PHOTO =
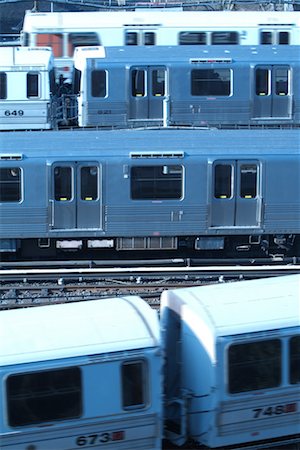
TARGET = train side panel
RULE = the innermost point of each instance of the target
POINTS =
(67, 30)
(234, 377)
(223, 87)
(186, 190)
(89, 387)
(27, 99)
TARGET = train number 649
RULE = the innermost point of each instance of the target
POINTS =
(14, 112)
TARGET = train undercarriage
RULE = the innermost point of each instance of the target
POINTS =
(135, 248)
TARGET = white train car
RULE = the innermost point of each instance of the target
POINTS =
(64, 31)
(233, 368)
(81, 375)
(27, 88)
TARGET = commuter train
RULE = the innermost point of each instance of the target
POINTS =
(64, 31)
(220, 369)
(193, 86)
(131, 193)
(27, 88)
(125, 87)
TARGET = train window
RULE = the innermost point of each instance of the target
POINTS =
(76, 81)
(156, 182)
(98, 83)
(51, 40)
(254, 365)
(82, 39)
(223, 175)
(53, 85)
(10, 184)
(211, 82)
(89, 183)
(224, 37)
(134, 384)
(158, 82)
(266, 37)
(283, 37)
(3, 85)
(248, 187)
(149, 38)
(25, 39)
(44, 396)
(62, 183)
(138, 88)
(295, 360)
(281, 81)
(131, 38)
(32, 85)
(262, 82)
(192, 38)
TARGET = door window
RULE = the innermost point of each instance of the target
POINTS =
(223, 183)
(89, 183)
(138, 83)
(62, 183)
(248, 181)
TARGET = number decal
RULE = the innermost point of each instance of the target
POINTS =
(274, 410)
(101, 438)
(14, 113)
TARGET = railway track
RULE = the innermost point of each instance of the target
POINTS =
(31, 287)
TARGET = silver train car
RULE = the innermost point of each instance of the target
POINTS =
(223, 86)
(127, 193)
(221, 369)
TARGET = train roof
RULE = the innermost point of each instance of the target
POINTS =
(75, 329)
(196, 55)
(239, 307)
(73, 21)
(25, 56)
(146, 142)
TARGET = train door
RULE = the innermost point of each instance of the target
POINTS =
(236, 194)
(139, 37)
(272, 92)
(76, 195)
(147, 92)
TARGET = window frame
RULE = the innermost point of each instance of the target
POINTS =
(144, 385)
(94, 86)
(247, 366)
(194, 82)
(40, 398)
(297, 358)
(19, 181)
(3, 85)
(138, 183)
(184, 38)
(33, 92)
(71, 178)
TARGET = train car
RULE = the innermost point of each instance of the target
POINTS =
(232, 372)
(124, 193)
(195, 86)
(64, 31)
(81, 375)
(27, 88)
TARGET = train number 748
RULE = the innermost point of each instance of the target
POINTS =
(274, 410)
